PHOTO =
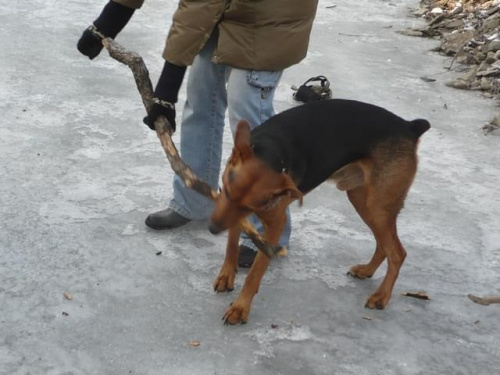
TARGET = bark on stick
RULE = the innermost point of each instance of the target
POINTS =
(164, 131)
(484, 300)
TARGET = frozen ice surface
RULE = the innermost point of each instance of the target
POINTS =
(80, 172)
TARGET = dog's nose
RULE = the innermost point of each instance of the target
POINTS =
(214, 228)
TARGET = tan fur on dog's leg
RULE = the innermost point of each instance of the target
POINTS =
(274, 222)
(362, 271)
(225, 281)
(386, 235)
(394, 166)
(350, 176)
(240, 309)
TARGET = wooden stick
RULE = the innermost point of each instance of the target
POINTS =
(164, 132)
(484, 300)
(163, 129)
(418, 295)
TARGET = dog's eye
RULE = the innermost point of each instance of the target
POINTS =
(265, 202)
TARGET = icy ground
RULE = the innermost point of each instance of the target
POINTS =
(80, 172)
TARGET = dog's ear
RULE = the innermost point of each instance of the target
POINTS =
(290, 189)
(242, 139)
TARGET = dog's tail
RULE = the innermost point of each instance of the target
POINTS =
(419, 127)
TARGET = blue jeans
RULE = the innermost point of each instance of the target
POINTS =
(211, 89)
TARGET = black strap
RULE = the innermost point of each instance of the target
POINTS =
(323, 80)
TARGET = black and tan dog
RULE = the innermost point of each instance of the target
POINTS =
(366, 150)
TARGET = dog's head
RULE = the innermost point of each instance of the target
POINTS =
(249, 185)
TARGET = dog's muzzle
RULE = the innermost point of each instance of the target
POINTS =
(215, 228)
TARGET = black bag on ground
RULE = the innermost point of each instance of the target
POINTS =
(308, 93)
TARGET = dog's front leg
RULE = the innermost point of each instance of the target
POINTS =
(225, 281)
(239, 310)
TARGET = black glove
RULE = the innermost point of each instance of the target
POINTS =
(90, 43)
(111, 21)
(160, 108)
(166, 93)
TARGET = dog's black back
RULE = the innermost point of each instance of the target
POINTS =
(312, 141)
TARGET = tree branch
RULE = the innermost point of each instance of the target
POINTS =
(164, 131)
(484, 300)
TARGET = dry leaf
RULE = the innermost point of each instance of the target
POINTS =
(68, 296)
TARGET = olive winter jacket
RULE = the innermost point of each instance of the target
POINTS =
(252, 34)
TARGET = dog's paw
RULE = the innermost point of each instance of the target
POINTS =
(225, 281)
(360, 271)
(236, 313)
(378, 301)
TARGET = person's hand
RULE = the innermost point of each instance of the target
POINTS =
(160, 108)
(113, 18)
(90, 43)
(166, 92)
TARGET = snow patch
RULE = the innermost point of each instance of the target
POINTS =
(266, 337)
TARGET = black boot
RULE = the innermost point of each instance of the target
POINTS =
(246, 256)
(166, 219)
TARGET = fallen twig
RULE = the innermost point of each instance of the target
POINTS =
(164, 131)
(484, 300)
(419, 295)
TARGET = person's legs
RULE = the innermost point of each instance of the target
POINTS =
(250, 97)
(202, 128)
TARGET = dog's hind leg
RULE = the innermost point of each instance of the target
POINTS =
(353, 178)
(361, 271)
(393, 168)
(387, 177)
(388, 242)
